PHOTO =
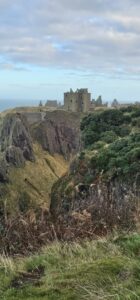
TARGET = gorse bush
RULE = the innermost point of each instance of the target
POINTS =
(104, 121)
(108, 137)
(116, 141)
(115, 121)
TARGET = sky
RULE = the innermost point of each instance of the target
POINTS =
(50, 46)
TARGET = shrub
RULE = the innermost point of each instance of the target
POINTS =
(98, 145)
(112, 121)
(124, 131)
(113, 127)
(136, 113)
(108, 137)
(90, 137)
(119, 144)
(136, 122)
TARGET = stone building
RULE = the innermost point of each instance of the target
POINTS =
(115, 103)
(98, 103)
(78, 101)
(51, 103)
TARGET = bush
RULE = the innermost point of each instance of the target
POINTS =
(114, 122)
(98, 145)
(136, 113)
(90, 137)
(124, 131)
(113, 127)
(135, 137)
(136, 122)
(119, 144)
(108, 137)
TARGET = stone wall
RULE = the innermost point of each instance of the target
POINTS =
(51, 103)
(78, 101)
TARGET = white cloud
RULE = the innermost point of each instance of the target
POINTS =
(99, 35)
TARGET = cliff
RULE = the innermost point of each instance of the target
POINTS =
(15, 140)
(101, 190)
(34, 153)
(59, 132)
(98, 192)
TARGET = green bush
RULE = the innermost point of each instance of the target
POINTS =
(113, 127)
(119, 144)
(115, 122)
(90, 137)
(98, 145)
(136, 113)
(108, 137)
(124, 131)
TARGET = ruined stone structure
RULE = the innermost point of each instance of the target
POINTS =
(98, 103)
(51, 103)
(78, 101)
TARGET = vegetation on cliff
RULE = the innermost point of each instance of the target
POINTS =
(112, 142)
(103, 182)
(99, 192)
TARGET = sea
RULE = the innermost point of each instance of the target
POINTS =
(8, 104)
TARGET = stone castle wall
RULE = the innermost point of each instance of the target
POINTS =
(52, 103)
(78, 101)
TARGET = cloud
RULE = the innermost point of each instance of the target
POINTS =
(12, 67)
(101, 35)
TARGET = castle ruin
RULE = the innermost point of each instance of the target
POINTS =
(78, 101)
(51, 103)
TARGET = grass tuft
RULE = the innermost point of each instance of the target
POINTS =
(101, 269)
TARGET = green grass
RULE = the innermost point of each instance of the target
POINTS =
(103, 269)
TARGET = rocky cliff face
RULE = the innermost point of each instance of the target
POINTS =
(15, 135)
(59, 133)
(33, 156)
(15, 144)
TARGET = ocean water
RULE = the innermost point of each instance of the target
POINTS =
(7, 104)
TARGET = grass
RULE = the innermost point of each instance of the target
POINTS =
(102, 269)
(36, 179)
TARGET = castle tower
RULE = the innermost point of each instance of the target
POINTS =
(78, 101)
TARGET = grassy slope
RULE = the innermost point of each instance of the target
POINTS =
(102, 269)
(35, 178)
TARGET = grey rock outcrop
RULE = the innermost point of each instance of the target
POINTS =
(15, 140)
(59, 133)
(15, 156)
